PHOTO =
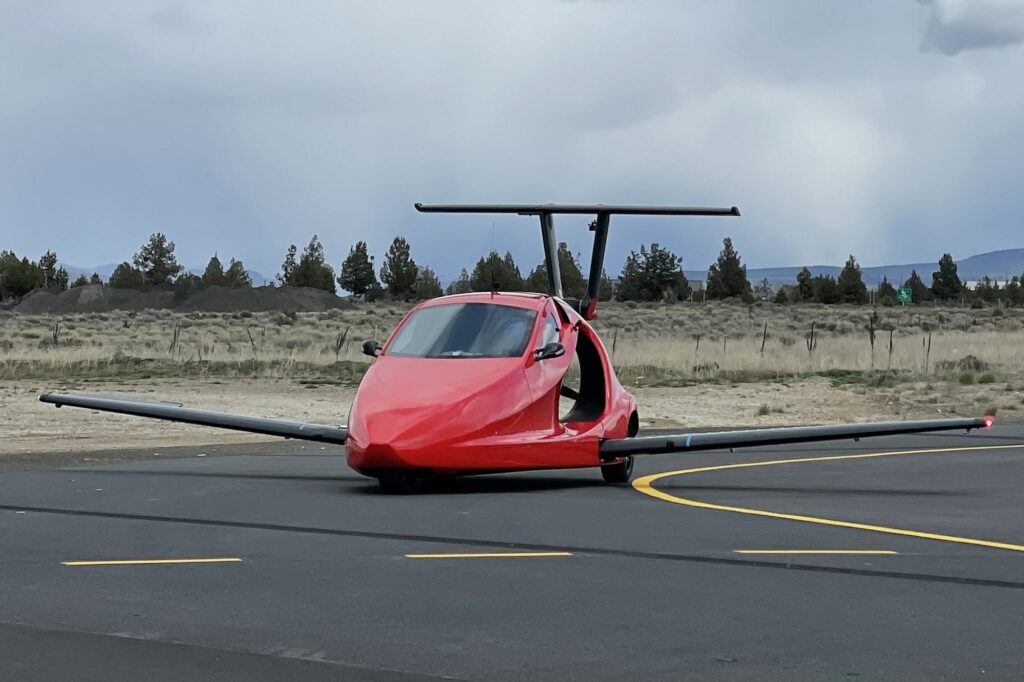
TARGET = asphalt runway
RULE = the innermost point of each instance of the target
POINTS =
(708, 574)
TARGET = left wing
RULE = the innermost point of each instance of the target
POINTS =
(176, 413)
(689, 442)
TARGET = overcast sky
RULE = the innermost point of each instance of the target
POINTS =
(892, 129)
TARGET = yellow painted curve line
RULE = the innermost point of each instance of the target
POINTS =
(644, 485)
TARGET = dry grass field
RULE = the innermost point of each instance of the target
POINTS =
(695, 364)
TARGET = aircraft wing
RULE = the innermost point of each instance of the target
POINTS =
(715, 440)
(175, 412)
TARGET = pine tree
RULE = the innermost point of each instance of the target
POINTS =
(605, 289)
(537, 281)
(61, 279)
(987, 290)
(399, 271)
(460, 286)
(653, 275)
(80, 281)
(496, 272)
(851, 285)
(573, 283)
(312, 269)
(763, 290)
(287, 274)
(805, 285)
(511, 273)
(826, 290)
(214, 276)
(48, 269)
(95, 278)
(156, 260)
(918, 291)
(236, 275)
(427, 284)
(18, 276)
(187, 280)
(1013, 292)
(886, 292)
(127, 277)
(631, 279)
(946, 284)
(727, 277)
(357, 274)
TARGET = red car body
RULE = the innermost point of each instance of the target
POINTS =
(471, 384)
(445, 416)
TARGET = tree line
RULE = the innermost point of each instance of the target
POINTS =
(154, 265)
(946, 287)
(652, 273)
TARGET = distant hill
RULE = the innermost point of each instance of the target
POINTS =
(997, 265)
(107, 269)
(99, 299)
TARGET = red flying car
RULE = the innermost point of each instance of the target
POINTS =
(471, 384)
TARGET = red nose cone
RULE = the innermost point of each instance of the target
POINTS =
(419, 413)
(989, 420)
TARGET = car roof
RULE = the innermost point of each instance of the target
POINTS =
(516, 299)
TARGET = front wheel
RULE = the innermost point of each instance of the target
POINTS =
(396, 483)
(619, 472)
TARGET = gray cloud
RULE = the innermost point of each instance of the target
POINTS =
(243, 129)
(957, 25)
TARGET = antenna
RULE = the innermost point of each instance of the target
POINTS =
(587, 307)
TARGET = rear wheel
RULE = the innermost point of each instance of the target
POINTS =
(620, 472)
(396, 483)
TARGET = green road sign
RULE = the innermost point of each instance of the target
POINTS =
(903, 295)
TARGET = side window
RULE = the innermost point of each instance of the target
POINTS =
(551, 334)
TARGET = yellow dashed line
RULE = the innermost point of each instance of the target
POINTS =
(147, 562)
(814, 551)
(487, 555)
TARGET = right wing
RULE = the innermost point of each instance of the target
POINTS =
(717, 440)
(176, 413)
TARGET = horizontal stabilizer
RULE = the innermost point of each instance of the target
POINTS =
(718, 440)
(587, 209)
(176, 413)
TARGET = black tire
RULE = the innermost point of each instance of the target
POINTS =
(623, 471)
(618, 473)
(396, 483)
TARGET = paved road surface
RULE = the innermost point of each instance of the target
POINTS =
(653, 581)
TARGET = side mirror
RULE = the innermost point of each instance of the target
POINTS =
(551, 350)
(371, 348)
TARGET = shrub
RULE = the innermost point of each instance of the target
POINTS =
(970, 363)
(987, 378)
(966, 378)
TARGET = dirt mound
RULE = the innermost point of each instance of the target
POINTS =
(99, 299)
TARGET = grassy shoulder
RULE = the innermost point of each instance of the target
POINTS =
(928, 361)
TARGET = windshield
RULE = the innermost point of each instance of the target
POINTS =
(465, 330)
